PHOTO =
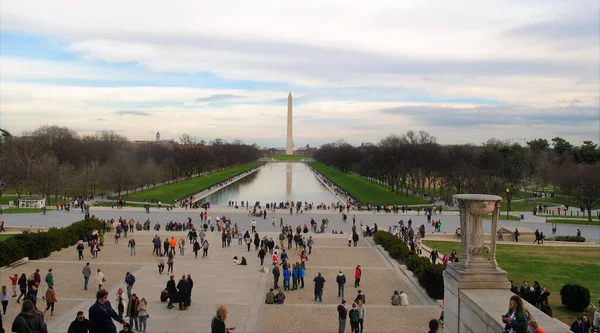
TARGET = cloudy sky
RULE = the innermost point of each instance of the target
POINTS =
(464, 71)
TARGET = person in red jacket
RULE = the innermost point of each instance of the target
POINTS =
(357, 275)
(13, 280)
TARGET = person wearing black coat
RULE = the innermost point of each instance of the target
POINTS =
(172, 291)
(29, 320)
(184, 293)
(22, 287)
(191, 284)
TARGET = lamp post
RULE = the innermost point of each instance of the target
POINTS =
(508, 203)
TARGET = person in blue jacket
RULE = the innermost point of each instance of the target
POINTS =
(302, 275)
(295, 276)
(101, 315)
(286, 279)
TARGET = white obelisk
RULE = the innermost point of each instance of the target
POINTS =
(289, 148)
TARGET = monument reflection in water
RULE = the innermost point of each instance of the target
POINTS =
(275, 182)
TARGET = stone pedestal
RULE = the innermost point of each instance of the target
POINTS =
(478, 268)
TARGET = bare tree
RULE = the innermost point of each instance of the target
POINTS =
(582, 182)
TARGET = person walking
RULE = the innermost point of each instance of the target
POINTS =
(22, 287)
(129, 281)
(170, 262)
(100, 279)
(354, 318)
(50, 301)
(29, 320)
(217, 325)
(362, 312)
(319, 282)
(341, 281)
(196, 248)
(434, 255)
(4, 297)
(205, 249)
(49, 279)
(357, 275)
(80, 248)
(86, 272)
(143, 314)
(310, 243)
(160, 262)
(101, 314)
(302, 275)
(342, 314)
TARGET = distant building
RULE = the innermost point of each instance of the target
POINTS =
(157, 136)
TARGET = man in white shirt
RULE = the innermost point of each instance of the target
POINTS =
(253, 226)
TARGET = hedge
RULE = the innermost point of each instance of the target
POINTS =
(578, 239)
(430, 275)
(38, 245)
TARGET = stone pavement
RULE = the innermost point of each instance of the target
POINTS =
(450, 220)
(218, 281)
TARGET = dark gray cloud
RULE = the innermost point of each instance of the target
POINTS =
(132, 113)
(499, 115)
(218, 98)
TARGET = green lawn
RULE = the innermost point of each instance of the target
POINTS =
(560, 200)
(171, 192)
(23, 210)
(5, 236)
(503, 217)
(595, 221)
(286, 157)
(552, 266)
(364, 190)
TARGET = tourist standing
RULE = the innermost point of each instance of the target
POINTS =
(302, 275)
(99, 279)
(132, 311)
(362, 312)
(341, 281)
(143, 314)
(354, 317)
(183, 294)
(13, 283)
(196, 248)
(101, 314)
(319, 282)
(171, 290)
(434, 255)
(516, 318)
(80, 250)
(310, 243)
(29, 320)
(160, 262)
(276, 275)
(131, 245)
(170, 262)
(342, 314)
(357, 275)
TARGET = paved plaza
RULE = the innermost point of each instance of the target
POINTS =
(450, 219)
(218, 281)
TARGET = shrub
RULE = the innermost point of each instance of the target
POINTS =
(37, 245)
(430, 276)
(432, 279)
(575, 297)
(578, 239)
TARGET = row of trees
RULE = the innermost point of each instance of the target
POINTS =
(417, 164)
(56, 161)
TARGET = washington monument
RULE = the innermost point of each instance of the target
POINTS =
(289, 148)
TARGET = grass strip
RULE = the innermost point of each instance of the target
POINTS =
(186, 188)
(552, 266)
(364, 190)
